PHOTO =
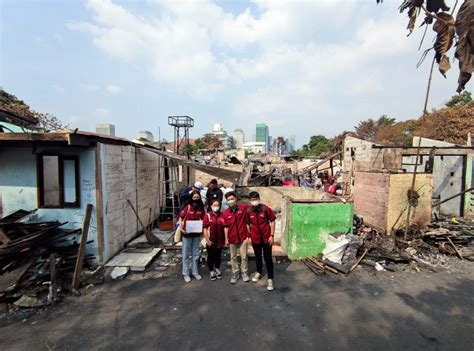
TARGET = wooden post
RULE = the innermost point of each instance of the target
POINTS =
(454, 247)
(52, 272)
(412, 189)
(82, 248)
(99, 208)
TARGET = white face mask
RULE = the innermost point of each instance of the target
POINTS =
(215, 209)
(255, 203)
(231, 203)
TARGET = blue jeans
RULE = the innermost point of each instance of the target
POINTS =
(191, 247)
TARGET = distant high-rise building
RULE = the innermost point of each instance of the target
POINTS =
(291, 143)
(239, 138)
(262, 134)
(269, 143)
(218, 128)
(280, 146)
(105, 129)
(219, 132)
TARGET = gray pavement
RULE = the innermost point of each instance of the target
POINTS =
(364, 311)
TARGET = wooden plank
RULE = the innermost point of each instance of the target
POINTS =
(358, 261)
(455, 248)
(34, 137)
(136, 261)
(99, 210)
(82, 248)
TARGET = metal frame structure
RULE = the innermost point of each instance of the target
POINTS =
(181, 126)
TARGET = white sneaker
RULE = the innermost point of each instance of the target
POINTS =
(270, 285)
(256, 277)
(187, 278)
(245, 277)
(218, 274)
(234, 278)
(213, 275)
(198, 277)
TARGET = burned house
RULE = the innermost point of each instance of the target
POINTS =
(378, 177)
(60, 173)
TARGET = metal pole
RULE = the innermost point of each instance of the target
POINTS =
(425, 111)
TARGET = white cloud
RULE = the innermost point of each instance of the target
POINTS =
(102, 112)
(90, 87)
(285, 60)
(113, 89)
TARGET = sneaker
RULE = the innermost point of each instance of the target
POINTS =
(197, 277)
(234, 278)
(256, 277)
(270, 285)
(218, 274)
(213, 275)
(245, 277)
(187, 278)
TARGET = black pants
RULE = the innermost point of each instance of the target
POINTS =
(267, 256)
(213, 257)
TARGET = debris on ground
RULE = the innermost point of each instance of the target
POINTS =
(37, 261)
(432, 249)
(119, 272)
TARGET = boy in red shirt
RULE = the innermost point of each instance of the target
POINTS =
(261, 222)
(236, 234)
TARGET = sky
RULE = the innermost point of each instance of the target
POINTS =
(302, 67)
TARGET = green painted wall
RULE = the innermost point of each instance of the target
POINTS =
(310, 222)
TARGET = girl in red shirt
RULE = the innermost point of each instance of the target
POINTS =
(215, 238)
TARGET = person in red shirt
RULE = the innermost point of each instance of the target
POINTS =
(261, 222)
(332, 187)
(215, 238)
(193, 211)
(236, 235)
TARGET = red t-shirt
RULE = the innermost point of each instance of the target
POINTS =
(216, 225)
(190, 214)
(332, 189)
(235, 219)
(260, 223)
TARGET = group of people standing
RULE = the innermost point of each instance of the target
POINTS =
(324, 182)
(236, 227)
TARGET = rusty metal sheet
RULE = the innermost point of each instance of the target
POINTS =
(227, 174)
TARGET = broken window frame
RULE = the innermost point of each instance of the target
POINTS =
(40, 181)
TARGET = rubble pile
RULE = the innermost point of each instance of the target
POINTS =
(37, 261)
(425, 249)
(452, 237)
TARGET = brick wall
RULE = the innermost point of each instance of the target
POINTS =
(360, 156)
(371, 192)
(128, 173)
(381, 198)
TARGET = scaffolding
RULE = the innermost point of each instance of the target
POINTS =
(181, 126)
